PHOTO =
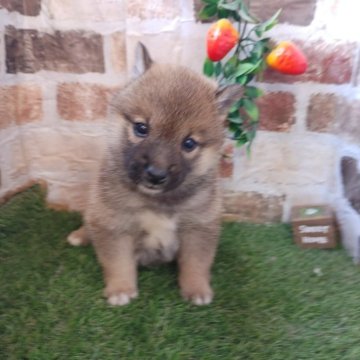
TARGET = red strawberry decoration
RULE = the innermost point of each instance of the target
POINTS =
(221, 38)
(287, 58)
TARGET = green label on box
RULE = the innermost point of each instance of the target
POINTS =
(312, 211)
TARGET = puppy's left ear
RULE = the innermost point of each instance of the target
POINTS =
(226, 96)
(143, 60)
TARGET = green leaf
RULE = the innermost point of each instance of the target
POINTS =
(261, 70)
(253, 92)
(243, 69)
(223, 13)
(250, 71)
(241, 139)
(238, 133)
(233, 127)
(259, 30)
(242, 80)
(235, 118)
(230, 81)
(266, 42)
(229, 6)
(248, 149)
(260, 67)
(230, 66)
(245, 15)
(235, 16)
(270, 23)
(210, 1)
(235, 107)
(267, 25)
(251, 109)
(263, 66)
(208, 11)
(218, 68)
(208, 68)
(260, 48)
(258, 51)
(253, 59)
(251, 134)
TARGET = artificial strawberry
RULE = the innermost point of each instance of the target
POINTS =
(287, 58)
(221, 38)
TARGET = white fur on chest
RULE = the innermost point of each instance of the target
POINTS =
(160, 231)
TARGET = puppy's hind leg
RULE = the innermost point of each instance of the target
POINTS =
(78, 237)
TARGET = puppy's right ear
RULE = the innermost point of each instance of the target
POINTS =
(143, 60)
(226, 96)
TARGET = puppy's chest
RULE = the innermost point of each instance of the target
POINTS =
(159, 242)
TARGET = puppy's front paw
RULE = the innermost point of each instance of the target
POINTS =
(120, 297)
(78, 238)
(198, 295)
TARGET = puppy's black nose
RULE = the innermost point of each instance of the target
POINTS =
(156, 176)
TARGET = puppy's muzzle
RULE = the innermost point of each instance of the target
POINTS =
(155, 176)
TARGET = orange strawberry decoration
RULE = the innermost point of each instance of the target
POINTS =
(221, 38)
(287, 58)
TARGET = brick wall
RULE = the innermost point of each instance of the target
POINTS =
(60, 61)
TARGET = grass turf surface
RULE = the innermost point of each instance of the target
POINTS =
(269, 304)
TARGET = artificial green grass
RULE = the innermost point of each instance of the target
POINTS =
(273, 300)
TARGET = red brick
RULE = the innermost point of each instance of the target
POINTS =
(14, 163)
(329, 63)
(252, 207)
(118, 52)
(226, 168)
(83, 101)
(30, 51)
(24, 7)
(277, 111)
(167, 9)
(226, 161)
(322, 112)
(330, 113)
(297, 12)
(86, 10)
(347, 120)
(20, 104)
(350, 177)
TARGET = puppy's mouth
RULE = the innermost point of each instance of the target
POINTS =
(150, 189)
(150, 180)
(153, 180)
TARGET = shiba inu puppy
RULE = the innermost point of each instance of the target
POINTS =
(156, 196)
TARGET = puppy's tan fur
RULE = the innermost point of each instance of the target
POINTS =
(132, 222)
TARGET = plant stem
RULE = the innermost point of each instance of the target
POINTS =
(237, 51)
(244, 29)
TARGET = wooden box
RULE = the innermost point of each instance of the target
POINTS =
(314, 226)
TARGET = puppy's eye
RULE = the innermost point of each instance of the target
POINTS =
(189, 144)
(141, 129)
